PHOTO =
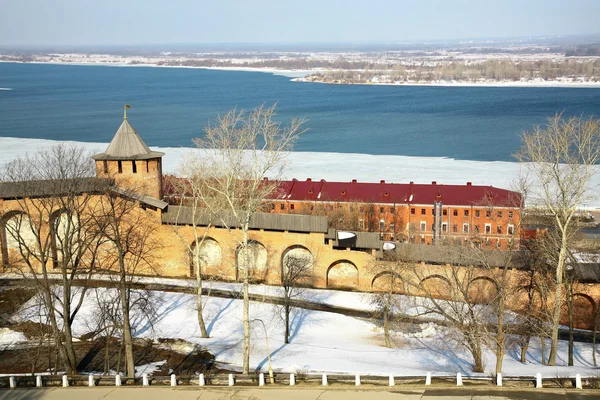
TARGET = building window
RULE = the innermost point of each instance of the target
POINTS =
(498, 243)
(392, 210)
(134, 167)
(488, 214)
(477, 213)
(466, 212)
(444, 227)
(445, 212)
(412, 211)
(455, 213)
(511, 229)
(423, 211)
(291, 206)
(510, 214)
(147, 166)
(455, 228)
(381, 225)
(476, 228)
(488, 229)
(105, 166)
(433, 211)
(361, 209)
(499, 229)
(120, 166)
(330, 208)
(272, 206)
(499, 214)
(422, 239)
(423, 226)
(381, 210)
(282, 206)
(392, 227)
(361, 224)
(465, 228)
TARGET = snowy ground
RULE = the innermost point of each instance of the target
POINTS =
(321, 341)
(333, 166)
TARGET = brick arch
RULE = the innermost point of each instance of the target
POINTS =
(584, 310)
(210, 255)
(342, 274)
(257, 263)
(482, 289)
(429, 286)
(301, 258)
(382, 281)
(5, 237)
(55, 232)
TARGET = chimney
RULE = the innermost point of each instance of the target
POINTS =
(382, 181)
(308, 180)
(468, 183)
(353, 180)
(433, 182)
(265, 179)
(322, 180)
(411, 182)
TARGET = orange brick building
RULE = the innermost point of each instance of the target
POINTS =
(482, 216)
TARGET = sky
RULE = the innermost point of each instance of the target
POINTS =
(137, 22)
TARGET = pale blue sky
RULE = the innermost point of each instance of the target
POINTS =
(110, 22)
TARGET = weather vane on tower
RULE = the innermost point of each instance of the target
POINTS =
(125, 110)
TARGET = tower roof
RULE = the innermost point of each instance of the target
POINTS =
(127, 145)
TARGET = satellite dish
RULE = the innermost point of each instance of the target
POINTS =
(341, 235)
(389, 246)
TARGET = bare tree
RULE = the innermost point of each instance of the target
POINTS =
(389, 278)
(240, 149)
(562, 158)
(296, 273)
(131, 248)
(193, 192)
(49, 235)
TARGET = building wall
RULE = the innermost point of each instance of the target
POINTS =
(414, 222)
(332, 267)
(147, 177)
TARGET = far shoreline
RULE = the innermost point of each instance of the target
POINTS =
(299, 76)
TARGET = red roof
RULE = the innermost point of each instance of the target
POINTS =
(397, 193)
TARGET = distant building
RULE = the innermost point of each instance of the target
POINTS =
(482, 216)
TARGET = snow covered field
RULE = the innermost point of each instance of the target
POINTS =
(334, 166)
(320, 341)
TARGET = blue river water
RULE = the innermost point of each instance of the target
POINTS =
(170, 106)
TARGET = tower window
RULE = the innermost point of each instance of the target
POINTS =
(134, 167)
(147, 166)
(120, 167)
(105, 165)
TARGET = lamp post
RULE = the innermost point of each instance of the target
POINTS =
(271, 378)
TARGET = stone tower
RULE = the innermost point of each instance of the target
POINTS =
(131, 163)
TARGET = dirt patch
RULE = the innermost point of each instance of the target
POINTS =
(11, 299)
(102, 355)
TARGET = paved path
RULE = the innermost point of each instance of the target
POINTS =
(193, 393)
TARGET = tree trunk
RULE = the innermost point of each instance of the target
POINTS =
(70, 366)
(524, 348)
(543, 343)
(287, 318)
(203, 331)
(557, 300)
(570, 311)
(246, 361)
(500, 334)
(386, 327)
(127, 338)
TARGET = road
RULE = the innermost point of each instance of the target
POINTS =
(189, 393)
